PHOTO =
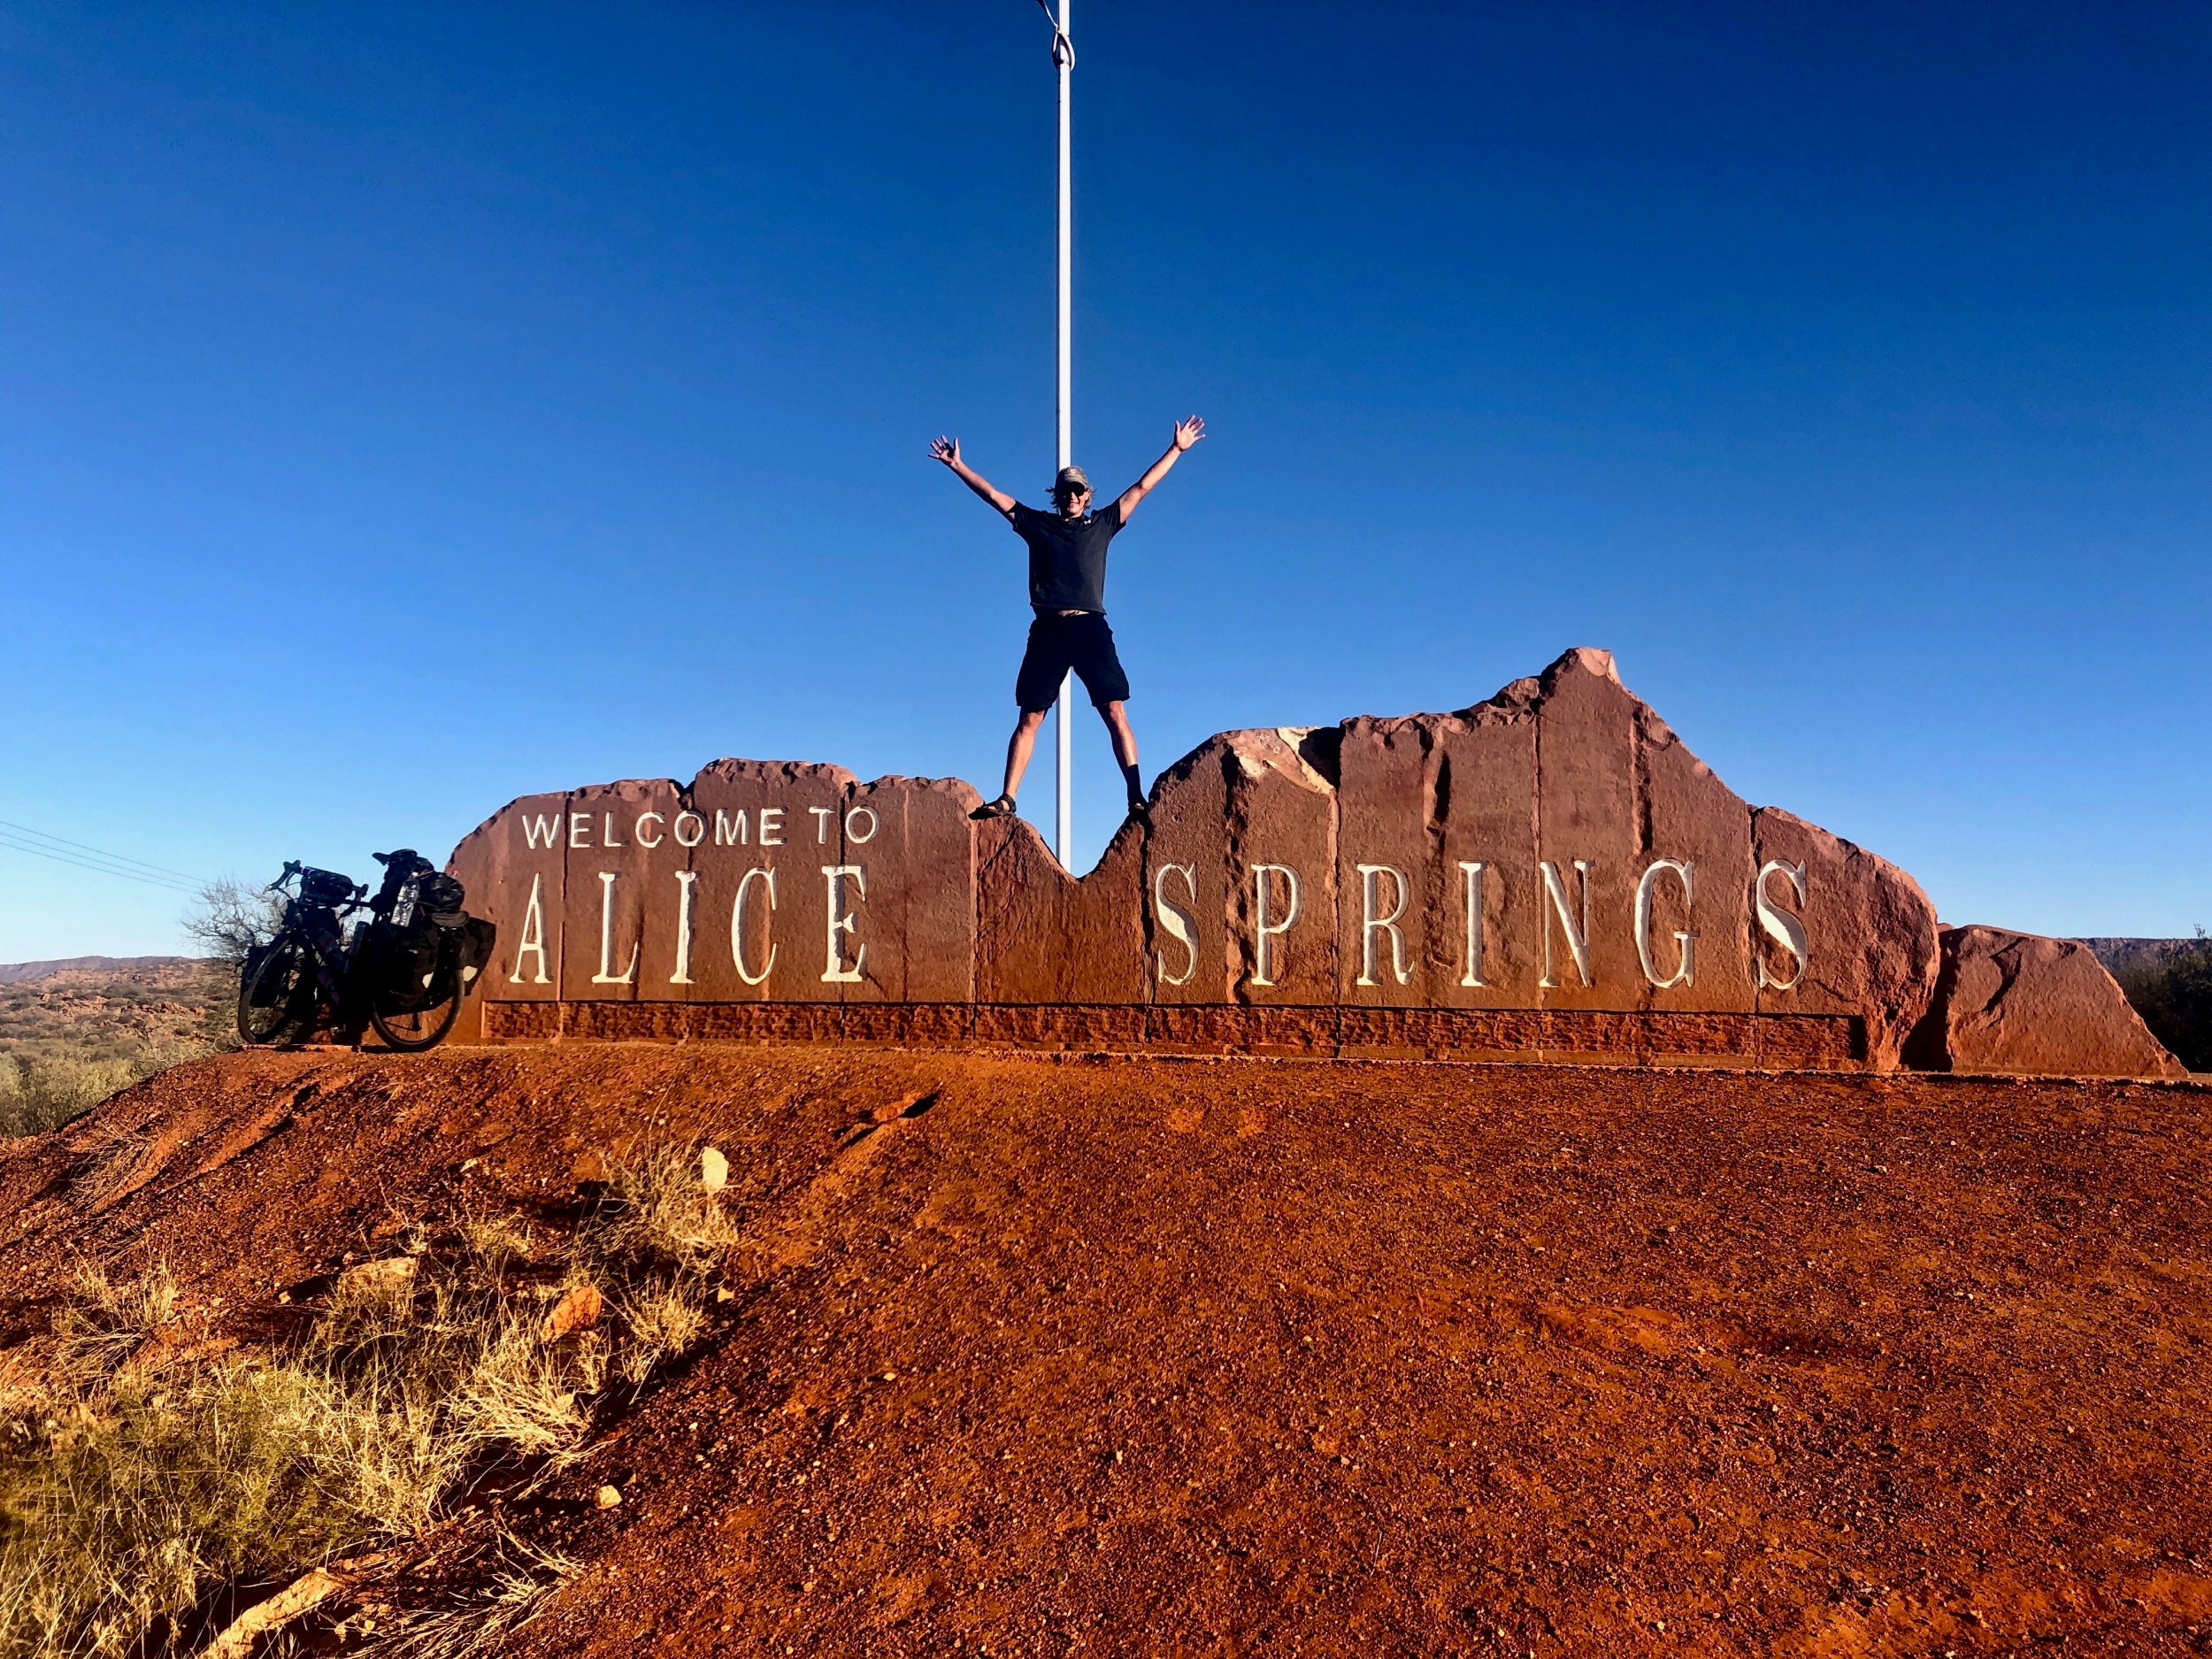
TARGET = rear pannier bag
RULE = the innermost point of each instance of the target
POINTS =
(406, 958)
(477, 938)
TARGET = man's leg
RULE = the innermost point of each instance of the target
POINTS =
(1020, 747)
(1098, 664)
(1035, 687)
(1116, 715)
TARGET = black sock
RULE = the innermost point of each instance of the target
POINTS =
(1134, 779)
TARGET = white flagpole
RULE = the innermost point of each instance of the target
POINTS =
(1063, 56)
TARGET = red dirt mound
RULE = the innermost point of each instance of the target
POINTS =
(1042, 1356)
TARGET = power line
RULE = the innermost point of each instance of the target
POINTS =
(169, 880)
(60, 841)
(163, 882)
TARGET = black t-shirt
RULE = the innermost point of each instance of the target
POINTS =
(1067, 556)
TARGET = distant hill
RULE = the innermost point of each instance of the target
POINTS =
(72, 1032)
(21, 972)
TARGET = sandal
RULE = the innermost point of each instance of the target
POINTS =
(1004, 807)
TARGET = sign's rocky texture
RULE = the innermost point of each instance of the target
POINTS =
(1548, 874)
(2021, 1004)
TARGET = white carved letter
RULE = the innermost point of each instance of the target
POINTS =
(1473, 874)
(606, 937)
(841, 921)
(852, 826)
(637, 830)
(607, 839)
(758, 872)
(541, 831)
(1780, 925)
(729, 831)
(1578, 933)
(1177, 921)
(1687, 973)
(699, 830)
(1370, 924)
(1263, 929)
(579, 831)
(533, 937)
(822, 817)
(772, 826)
(684, 878)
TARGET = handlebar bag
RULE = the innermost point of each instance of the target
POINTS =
(325, 887)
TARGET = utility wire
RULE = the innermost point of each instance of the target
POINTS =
(58, 840)
(152, 875)
(165, 885)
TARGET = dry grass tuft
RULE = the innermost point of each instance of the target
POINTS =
(124, 1505)
(127, 1496)
(103, 1171)
(372, 1303)
(515, 1579)
(492, 1245)
(102, 1323)
(523, 1395)
(658, 1216)
(662, 1319)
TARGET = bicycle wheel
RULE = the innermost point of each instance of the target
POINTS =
(412, 1019)
(276, 1000)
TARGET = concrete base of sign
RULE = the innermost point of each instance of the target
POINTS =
(1768, 1041)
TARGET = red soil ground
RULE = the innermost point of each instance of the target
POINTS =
(1235, 1357)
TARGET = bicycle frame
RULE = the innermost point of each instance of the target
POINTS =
(321, 927)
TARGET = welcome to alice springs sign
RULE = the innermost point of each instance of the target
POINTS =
(1550, 874)
(1542, 877)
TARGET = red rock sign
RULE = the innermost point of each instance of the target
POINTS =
(1547, 874)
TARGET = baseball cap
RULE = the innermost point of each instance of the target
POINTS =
(1073, 481)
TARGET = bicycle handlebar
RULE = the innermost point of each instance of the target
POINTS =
(293, 867)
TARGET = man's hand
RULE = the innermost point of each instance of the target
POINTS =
(1187, 433)
(948, 450)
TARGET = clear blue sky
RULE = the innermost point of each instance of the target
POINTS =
(403, 408)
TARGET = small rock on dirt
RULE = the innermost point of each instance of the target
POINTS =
(714, 1169)
(577, 1310)
(608, 1498)
(391, 1270)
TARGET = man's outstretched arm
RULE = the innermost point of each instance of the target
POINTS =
(1186, 432)
(948, 450)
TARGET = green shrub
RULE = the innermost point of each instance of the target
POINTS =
(39, 1091)
(2171, 988)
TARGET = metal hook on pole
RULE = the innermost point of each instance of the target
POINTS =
(1062, 47)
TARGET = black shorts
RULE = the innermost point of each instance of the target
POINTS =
(1083, 643)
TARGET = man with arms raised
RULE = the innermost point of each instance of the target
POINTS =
(1067, 590)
